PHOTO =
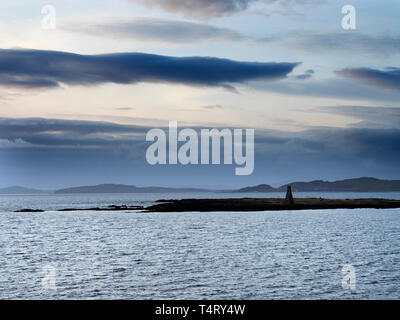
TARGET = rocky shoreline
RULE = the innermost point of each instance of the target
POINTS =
(245, 204)
(109, 208)
(269, 204)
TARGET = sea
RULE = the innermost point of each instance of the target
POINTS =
(310, 254)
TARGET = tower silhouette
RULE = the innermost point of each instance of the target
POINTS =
(289, 196)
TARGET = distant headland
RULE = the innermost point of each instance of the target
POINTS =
(347, 185)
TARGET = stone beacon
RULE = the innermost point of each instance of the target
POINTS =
(289, 196)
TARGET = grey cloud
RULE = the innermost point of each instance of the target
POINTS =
(213, 107)
(63, 135)
(283, 12)
(344, 42)
(206, 9)
(388, 78)
(38, 68)
(380, 145)
(36, 150)
(124, 108)
(57, 133)
(370, 117)
(199, 8)
(27, 127)
(152, 29)
(340, 147)
(331, 87)
(306, 75)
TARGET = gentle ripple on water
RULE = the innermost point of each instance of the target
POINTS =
(225, 255)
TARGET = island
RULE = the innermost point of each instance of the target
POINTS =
(268, 204)
(247, 204)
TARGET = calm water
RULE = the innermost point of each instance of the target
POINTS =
(246, 255)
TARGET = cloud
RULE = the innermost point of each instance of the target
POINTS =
(38, 69)
(206, 9)
(344, 42)
(106, 136)
(28, 127)
(213, 107)
(388, 79)
(152, 29)
(331, 151)
(76, 152)
(330, 87)
(124, 108)
(379, 145)
(306, 75)
(199, 8)
(370, 117)
(15, 143)
(286, 12)
(68, 136)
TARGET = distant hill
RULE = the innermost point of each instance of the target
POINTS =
(348, 185)
(121, 188)
(19, 190)
(259, 188)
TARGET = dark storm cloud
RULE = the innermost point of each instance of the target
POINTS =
(206, 9)
(362, 143)
(29, 126)
(56, 133)
(388, 78)
(152, 29)
(354, 142)
(69, 152)
(347, 147)
(38, 68)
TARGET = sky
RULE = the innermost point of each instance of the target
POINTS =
(82, 82)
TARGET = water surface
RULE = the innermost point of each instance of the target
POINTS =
(223, 255)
